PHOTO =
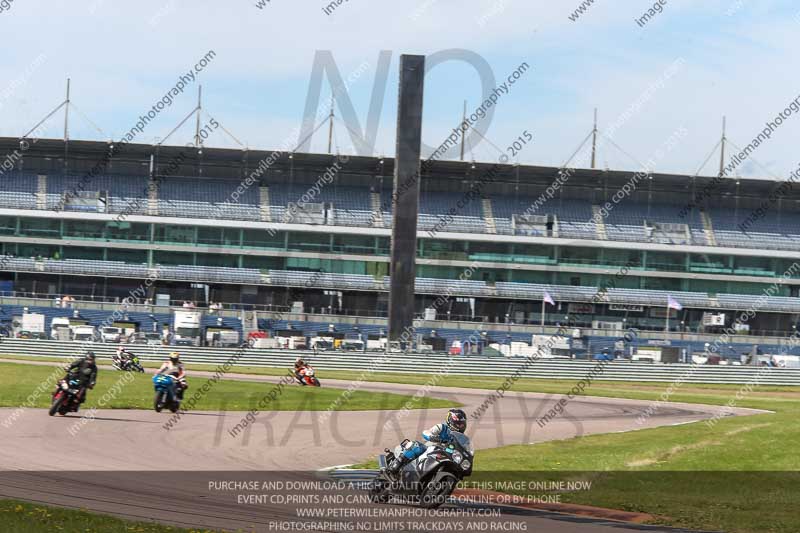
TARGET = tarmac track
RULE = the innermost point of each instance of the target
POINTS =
(127, 464)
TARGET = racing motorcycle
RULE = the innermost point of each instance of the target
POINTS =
(307, 377)
(66, 397)
(167, 392)
(129, 365)
(429, 479)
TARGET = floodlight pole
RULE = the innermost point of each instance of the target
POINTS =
(594, 137)
(463, 129)
(722, 149)
(543, 312)
(197, 140)
(330, 125)
(66, 115)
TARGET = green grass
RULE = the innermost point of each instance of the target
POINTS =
(642, 390)
(19, 380)
(21, 517)
(742, 475)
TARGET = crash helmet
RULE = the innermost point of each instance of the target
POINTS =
(90, 356)
(175, 358)
(299, 362)
(457, 420)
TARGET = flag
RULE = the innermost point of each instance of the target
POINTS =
(548, 298)
(672, 303)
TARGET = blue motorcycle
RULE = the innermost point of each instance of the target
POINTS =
(166, 393)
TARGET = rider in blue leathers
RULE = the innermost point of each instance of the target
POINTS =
(440, 433)
(173, 367)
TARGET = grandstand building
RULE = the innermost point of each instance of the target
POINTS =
(269, 229)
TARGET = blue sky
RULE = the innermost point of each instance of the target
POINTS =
(738, 60)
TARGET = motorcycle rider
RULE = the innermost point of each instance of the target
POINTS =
(85, 371)
(299, 367)
(173, 367)
(124, 358)
(440, 433)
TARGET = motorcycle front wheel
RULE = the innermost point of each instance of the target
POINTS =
(379, 490)
(56, 405)
(437, 490)
(158, 402)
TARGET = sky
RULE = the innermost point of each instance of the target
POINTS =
(683, 69)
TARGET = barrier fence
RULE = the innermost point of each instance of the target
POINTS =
(471, 365)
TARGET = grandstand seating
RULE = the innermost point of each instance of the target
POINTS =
(125, 193)
(18, 190)
(351, 206)
(435, 286)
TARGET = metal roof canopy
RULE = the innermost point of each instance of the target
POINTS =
(47, 155)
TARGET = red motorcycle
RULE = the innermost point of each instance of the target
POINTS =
(307, 376)
(66, 397)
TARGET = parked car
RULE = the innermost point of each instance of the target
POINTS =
(146, 337)
(110, 334)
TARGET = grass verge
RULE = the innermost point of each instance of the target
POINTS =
(22, 517)
(19, 380)
(740, 474)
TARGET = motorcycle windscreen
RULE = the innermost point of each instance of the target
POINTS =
(464, 442)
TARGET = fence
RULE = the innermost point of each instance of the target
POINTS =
(421, 363)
